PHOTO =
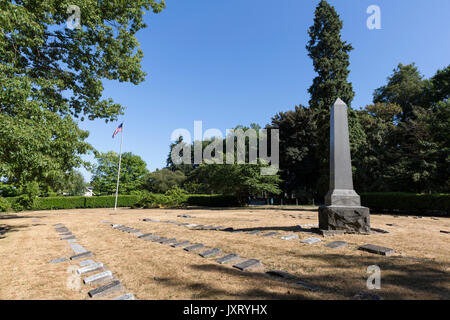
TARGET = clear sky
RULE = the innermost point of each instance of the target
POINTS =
(230, 62)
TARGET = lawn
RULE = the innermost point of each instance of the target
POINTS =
(419, 269)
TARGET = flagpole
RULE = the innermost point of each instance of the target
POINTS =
(118, 173)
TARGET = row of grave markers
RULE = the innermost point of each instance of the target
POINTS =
(88, 266)
(302, 228)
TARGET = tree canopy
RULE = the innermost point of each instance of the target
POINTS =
(132, 172)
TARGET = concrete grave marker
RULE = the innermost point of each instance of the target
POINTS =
(160, 239)
(82, 255)
(99, 277)
(85, 263)
(228, 258)
(90, 268)
(180, 244)
(289, 237)
(210, 253)
(152, 238)
(194, 247)
(280, 274)
(311, 240)
(145, 235)
(68, 237)
(254, 232)
(106, 289)
(58, 260)
(377, 249)
(336, 244)
(169, 241)
(77, 248)
(248, 264)
(270, 234)
(127, 296)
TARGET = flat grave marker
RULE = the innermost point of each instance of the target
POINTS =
(106, 289)
(81, 255)
(169, 241)
(63, 259)
(126, 296)
(160, 239)
(228, 258)
(248, 264)
(194, 247)
(68, 237)
(99, 277)
(85, 263)
(210, 253)
(289, 237)
(152, 238)
(280, 274)
(254, 232)
(180, 244)
(336, 244)
(377, 249)
(270, 234)
(90, 268)
(311, 240)
(145, 235)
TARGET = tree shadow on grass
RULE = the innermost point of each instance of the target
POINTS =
(7, 216)
(5, 229)
(421, 276)
(207, 291)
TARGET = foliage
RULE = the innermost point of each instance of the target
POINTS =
(5, 205)
(330, 55)
(410, 202)
(51, 75)
(405, 88)
(50, 203)
(239, 180)
(39, 145)
(50, 65)
(132, 172)
(298, 147)
(160, 181)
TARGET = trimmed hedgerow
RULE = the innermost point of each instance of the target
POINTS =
(411, 202)
(50, 203)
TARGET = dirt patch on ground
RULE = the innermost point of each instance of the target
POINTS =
(418, 270)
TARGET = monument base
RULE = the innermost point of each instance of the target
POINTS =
(349, 219)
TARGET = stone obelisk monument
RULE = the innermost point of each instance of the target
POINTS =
(342, 212)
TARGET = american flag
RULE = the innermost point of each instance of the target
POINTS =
(119, 129)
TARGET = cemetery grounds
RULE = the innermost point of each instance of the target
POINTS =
(419, 268)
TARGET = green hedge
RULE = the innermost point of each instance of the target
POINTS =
(50, 203)
(411, 202)
(212, 201)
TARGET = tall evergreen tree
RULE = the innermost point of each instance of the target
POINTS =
(330, 55)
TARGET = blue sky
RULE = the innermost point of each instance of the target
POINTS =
(242, 61)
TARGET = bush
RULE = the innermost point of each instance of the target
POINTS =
(50, 203)
(411, 202)
(213, 201)
(5, 205)
(149, 200)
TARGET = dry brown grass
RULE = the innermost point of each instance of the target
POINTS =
(418, 270)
